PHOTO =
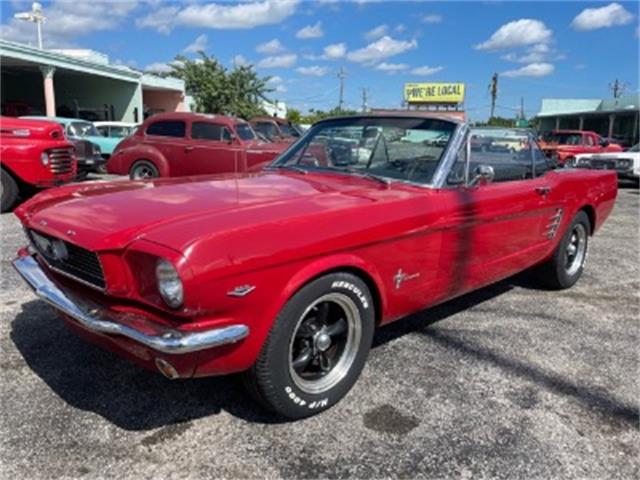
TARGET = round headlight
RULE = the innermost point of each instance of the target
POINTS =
(44, 158)
(169, 284)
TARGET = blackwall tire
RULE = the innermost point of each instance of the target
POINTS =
(10, 192)
(316, 349)
(143, 169)
(565, 266)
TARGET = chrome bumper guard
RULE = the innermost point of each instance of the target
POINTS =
(165, 340)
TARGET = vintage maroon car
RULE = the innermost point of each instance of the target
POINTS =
(284, 274)
(183, 144)
(33, 155)
(276, 129)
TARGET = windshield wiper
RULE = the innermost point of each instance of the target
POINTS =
(294, 168)
(363, 173)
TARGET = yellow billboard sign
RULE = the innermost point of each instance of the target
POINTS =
(434, 92)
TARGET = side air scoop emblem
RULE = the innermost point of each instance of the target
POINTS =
(241, 291)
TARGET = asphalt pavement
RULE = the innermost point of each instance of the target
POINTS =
(507, 382)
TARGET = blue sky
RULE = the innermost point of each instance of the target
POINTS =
(540, 49)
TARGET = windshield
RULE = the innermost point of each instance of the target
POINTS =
(120, 131)
(82, 129)
(566, 138)
(406, 149)
(245, 132)
(289, 130)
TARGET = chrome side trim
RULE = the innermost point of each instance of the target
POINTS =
(164, 339)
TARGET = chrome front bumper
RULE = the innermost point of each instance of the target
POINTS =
(97, 319)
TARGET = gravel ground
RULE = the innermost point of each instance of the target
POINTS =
(506, 382)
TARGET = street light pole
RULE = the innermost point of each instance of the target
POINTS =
(35, 16)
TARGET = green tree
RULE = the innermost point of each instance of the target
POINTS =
(217, 90)
(294, 115)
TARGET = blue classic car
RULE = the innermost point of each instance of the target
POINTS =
(78, 129)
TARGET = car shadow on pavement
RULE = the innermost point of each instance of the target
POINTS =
(89, 378)
(595, 399)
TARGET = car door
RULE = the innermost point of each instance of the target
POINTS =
(169, 138)
(212, 149)
(496, 228)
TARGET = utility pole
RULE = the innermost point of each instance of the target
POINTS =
(521, 108)
(341, 76)
(617, 87)
(493, 90)
(365, 106)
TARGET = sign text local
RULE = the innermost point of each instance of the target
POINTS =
(434, 92)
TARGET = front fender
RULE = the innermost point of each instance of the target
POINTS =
(121, 161)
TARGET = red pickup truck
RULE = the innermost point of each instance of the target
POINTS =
(184, 144)
(33, 155)
(563, 145)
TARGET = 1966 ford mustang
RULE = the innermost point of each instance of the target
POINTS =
(284, 274)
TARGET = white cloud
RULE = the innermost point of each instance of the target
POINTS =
(518, 33)
(278, 61)
(311, 31)
(158, 67)
(219, 16)
(392, 67)
(239, 61)
(68, 20)
(401, 28)
(538, 53)
(381, 49)
(531, 70)
(197, 45)
(426, 70)
(313, 71)
(275, 80)
(335, 50)
(593, 18)
(432, 18)
(377, 32)
(272, 46)
(276, 83)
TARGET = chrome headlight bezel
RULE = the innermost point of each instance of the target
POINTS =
(169, 283)
(44, 158)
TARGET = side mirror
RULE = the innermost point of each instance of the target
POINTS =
(482, 175)
(604, 143)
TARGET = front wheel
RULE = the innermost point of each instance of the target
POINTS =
(143, 169)
(317, 347)
(565, 267)
(10, 191)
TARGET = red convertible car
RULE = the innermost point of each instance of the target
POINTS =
(183, 144)
(285, 274)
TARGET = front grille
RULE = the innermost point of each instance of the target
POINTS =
(69, 259)
(61, 160)
(84, 149)
(603, 164)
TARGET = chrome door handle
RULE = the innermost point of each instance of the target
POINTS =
(544, 191)
(188, 149)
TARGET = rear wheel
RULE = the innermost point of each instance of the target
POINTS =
(143, 169)
(565, 267)
(10, 191)
(316, 349)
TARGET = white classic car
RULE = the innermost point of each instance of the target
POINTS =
(627, 164)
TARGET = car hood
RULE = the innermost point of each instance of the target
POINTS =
(173, 212)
